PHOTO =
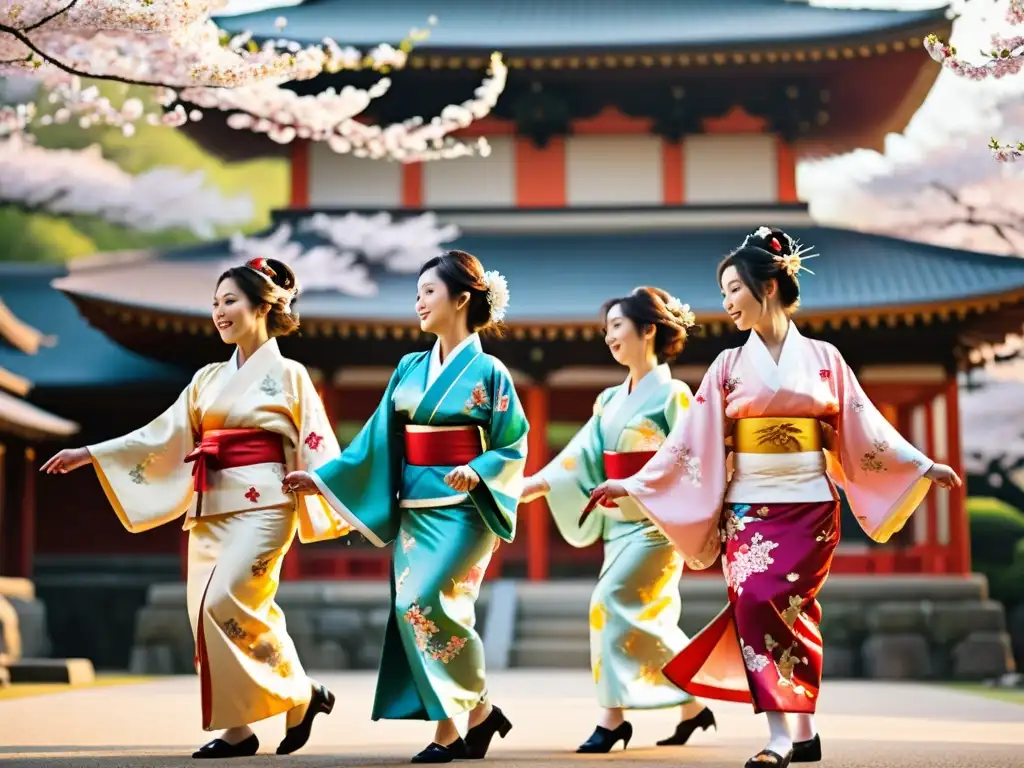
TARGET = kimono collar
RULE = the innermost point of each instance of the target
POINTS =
(659, 374)
(771, 373)
(269, 347)
(436, 366)
(623, 403)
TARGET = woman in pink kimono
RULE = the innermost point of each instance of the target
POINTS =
(798, 422)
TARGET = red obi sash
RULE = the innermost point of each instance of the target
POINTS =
(619, 466)
(432, 447)
(227, 448)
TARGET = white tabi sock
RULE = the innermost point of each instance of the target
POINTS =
(779, 740)
(802, 727)
(236, 735)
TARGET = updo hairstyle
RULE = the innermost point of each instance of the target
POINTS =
(646, 306)
(270, 283)
(767, 254)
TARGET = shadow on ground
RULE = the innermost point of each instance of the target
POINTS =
(843, 754)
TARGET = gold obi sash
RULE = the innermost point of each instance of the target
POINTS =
(778, 459)
(777, 435)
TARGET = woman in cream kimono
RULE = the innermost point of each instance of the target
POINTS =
(635, 608)
(438, 470)
(218, 456)
(798, 421)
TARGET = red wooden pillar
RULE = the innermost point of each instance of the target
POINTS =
(17, 521)
(28, 515)
(959, 529)
(933, 551)
(536, 512)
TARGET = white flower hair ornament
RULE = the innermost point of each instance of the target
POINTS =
(686, 317)
(497, 294)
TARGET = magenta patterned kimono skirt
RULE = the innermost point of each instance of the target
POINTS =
(765, 647)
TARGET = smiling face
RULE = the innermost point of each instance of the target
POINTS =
(627, 345)
(435, 307)
(743, 307)
(233, 313)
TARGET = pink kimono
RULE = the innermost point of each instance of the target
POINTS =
(776, 519)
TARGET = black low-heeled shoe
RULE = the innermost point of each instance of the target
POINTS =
(478, 738)
(295, 738)
(439, 753)
(807, 751)
(704, 720)
(768, 759)
(219, 749)
(603, 739)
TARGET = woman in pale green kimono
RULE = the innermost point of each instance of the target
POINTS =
(217, 457)
(438, 469)
(635, 608)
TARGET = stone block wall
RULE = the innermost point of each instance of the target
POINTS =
(335, 625)
(896, 628)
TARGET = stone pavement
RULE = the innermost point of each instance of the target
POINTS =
(862, 724)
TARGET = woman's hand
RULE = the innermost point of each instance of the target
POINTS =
(535, 487)
(607, 492)
(66, 461)
(944, 476)
(462, 479)
(299, 482)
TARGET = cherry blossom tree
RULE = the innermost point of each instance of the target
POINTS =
(176, 47)
(344, 253)
(80, 182)
(1005, 57)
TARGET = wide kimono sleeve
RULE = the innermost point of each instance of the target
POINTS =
(572, 475)
(144, 473)
(362, 483)
(682, 487)
(316, 445)
(501, 466)
(881, 472)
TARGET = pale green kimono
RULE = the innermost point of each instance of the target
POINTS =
(635, 608)
(432, 663)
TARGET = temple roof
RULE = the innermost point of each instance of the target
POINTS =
(522, 26)
(76, 355)
(561, 278)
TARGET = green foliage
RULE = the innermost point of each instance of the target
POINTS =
(997, 547)
(263, 181)
(996, 528)
(37, 237)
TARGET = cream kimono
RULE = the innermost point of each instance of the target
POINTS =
(240, 528)
(635, 608)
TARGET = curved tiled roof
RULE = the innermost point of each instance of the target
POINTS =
(80, 356)
(530, 25)
(563, 278)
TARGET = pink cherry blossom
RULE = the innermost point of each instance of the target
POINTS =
(1005, 57)
(175, 47)
(68, 182)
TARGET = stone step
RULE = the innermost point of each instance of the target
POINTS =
(72, 671)
(576, 628)
(548, 653)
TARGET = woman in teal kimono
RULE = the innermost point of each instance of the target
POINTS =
(438, 469)
(635, 608)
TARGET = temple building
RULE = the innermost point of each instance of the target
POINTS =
(634, 145)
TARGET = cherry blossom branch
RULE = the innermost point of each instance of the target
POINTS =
(173, 46)
(81, 182)
(1006, 57)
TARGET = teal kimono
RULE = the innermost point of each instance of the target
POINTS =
(635, 608)
(432, 663)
